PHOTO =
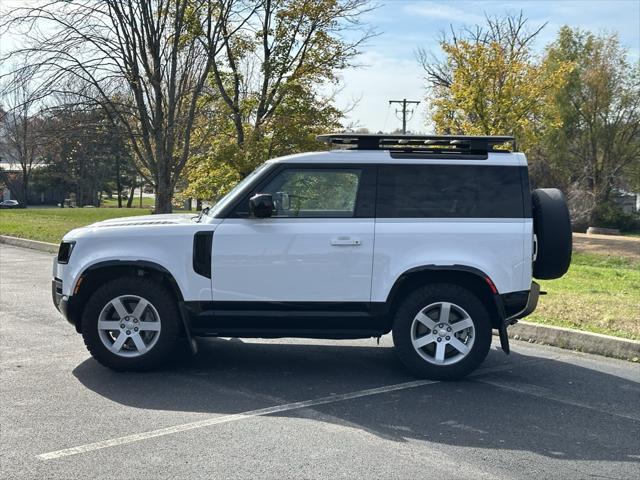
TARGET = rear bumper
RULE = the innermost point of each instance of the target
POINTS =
(532, 301)
(516, 305)
(513, 306)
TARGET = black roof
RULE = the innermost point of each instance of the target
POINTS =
(421, 143)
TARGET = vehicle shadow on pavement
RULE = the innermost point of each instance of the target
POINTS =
(520, 402)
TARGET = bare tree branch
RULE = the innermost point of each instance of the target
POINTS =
(145, 62)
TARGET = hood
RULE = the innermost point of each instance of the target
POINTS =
(165, 219)
(128, 225)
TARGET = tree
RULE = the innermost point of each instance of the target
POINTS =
(597, 145)
(296, 122)
(20, 140)
(264, 98)
(84, 154)
(490, 83)
(144, 62)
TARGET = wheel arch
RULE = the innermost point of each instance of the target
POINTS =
(99, 273)
(470, 278)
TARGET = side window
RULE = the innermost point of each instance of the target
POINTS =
(449, 191)
(314, 192)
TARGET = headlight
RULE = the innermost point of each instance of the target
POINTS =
(65, 251)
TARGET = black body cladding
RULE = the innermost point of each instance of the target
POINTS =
(202, 244)
(64, 252)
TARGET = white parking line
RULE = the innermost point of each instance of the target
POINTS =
(90, 447)
(540, 392)
(230, 418)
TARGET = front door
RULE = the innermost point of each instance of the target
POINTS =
(316, 247)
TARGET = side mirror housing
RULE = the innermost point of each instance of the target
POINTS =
(261, 205)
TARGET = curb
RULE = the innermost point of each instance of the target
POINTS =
(32, 244)
(578, 340)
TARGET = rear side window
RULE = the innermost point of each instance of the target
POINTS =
(449, 191)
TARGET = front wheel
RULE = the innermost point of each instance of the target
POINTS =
(131, 324)
(442, 332)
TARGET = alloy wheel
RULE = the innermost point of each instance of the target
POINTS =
(442, 333)
(129, 326)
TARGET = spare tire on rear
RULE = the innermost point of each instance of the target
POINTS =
(552, 226)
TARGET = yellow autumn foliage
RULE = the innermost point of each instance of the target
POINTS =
(496, 90)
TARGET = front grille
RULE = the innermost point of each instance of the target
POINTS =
(65, 251)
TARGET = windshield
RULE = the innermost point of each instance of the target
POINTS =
(229, 197)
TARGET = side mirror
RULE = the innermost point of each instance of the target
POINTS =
(261, 205)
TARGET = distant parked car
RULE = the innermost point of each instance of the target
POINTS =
(9, 204)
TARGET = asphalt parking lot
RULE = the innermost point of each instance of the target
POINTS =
(298, 409)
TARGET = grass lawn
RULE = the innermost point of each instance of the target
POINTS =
(599, 293)
(147, 202)
(50, 224)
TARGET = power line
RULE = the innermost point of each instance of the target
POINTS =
(404, 110)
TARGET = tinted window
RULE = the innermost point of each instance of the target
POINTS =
(314, 193)
(449, 191)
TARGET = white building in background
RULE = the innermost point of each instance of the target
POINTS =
(629, 202)
(8, 165)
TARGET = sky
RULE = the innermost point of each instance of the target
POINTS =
(389, 70)
(387, 67)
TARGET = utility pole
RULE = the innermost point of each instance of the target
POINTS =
(404, 111)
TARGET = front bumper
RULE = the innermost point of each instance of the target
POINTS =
(62, 303)
(56, 292)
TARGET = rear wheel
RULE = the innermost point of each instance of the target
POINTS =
(131, 324)
(442, 331)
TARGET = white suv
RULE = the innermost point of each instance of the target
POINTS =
(435, 238)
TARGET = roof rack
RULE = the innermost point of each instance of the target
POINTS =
(438, 144)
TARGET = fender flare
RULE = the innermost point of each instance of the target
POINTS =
(144, 264)
(496, 299)
(75, 309)
(454, 267)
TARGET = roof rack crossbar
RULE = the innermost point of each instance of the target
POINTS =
(421, 143)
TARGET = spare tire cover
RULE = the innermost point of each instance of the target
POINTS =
(552, 226)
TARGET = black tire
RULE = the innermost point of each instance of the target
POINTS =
(415, 303)
(552, 226)
(159, 297)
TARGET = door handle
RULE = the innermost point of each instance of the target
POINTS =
(345, 242)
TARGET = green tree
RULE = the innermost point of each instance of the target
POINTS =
(294, 126)
(596, 147)
(265, 98)
(84, 154)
